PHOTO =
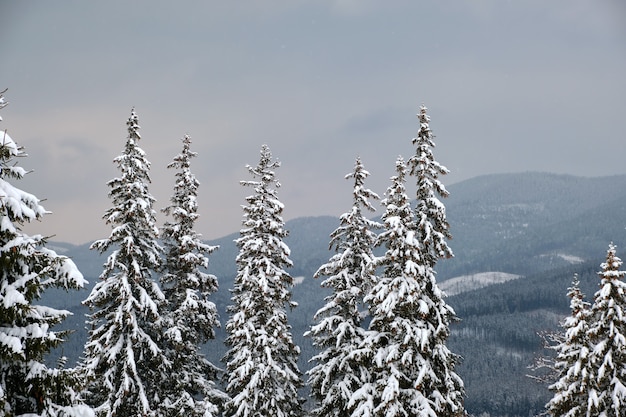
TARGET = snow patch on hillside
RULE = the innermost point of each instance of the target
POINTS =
(298, 280)
(571, 258)
(458, 285)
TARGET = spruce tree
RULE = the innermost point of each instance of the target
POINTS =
(571, 389)
(190, 317)
(412, 368)
(262, 375)
(27, 385)
(432, 224)
(607, 334)
(123, 360)
(338, 373)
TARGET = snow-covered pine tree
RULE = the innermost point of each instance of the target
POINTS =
(337, 373)
(607, 333)
(262, 374)
(124, 362)
(27, 385)
(432, 225)
(571, 389)
(190, 317)
(412, 369)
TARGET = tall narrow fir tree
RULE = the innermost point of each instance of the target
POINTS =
(607, 335)
(190, 318)
(263, 378)
(124, 361)
(430, 213)
(443, 387)
(571, 389)
(27, 385)
(338, 372)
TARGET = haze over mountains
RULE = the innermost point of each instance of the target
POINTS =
(517, 239)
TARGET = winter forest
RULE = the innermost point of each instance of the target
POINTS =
(380, 338)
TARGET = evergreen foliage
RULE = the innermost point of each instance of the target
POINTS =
(190, 318)
(572, 384)
(28, 268)
(607, 334)
(338, 372)
(262, 374)
(124, 361)
(413, 370)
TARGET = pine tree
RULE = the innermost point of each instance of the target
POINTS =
(27, 385)
(338, 372)
(412, 369)
(263, 377)
(607, 333)
(432, 225)
(571, 388)
(191, 317)
(123, 358)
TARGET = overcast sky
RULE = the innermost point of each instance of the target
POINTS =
(510, 86)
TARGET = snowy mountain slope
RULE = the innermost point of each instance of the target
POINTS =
(522, 223)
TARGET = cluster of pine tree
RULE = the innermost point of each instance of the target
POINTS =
(589, 371)
(398, 364)
(381, 334)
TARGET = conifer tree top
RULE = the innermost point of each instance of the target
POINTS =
(423, 161)
(577, 302)
(264, 170)
(433, 227)
(133, 125)
(361, 195)
(611, 267)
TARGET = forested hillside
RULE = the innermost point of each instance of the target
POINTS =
(498, 336)
(544, 227)
(530, 222)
